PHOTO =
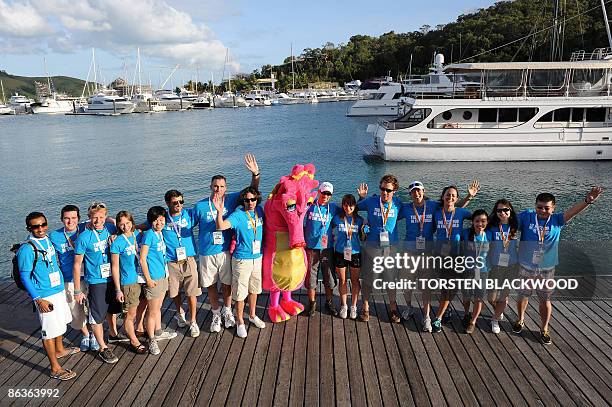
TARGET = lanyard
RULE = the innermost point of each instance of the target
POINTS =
(70, 242)
(160, 237)
(542, 231)
(253, 223)
(136, 250)
(104, 256)
(505, 237)
(45, 251)
(448, 226)
(349, 229)
(421, 220)
(176, 227)
(323, 218)
(385, 215)
(481, 243)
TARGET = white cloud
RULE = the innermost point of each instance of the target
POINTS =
(162, 31)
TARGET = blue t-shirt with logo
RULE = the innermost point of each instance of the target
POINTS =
(497, 245)
(243, 225)
(93, 245)
(454, 231)
(182, 225)
(372, 206)
(156, 257)
(47, 278)
(530, 240)
(478, 246)
(341, 233)
(205, 215)
(127, 249)
(413, 229)
(317, 223)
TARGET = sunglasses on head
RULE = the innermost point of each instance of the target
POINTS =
(500, 210)
(386, 190)
(249, 200)
(177, 202)
(38, 226)
(97, 205)
(326, 193)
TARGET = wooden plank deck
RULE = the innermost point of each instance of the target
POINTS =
(324, 361)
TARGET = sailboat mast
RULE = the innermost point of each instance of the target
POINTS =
(292, 71)
(606, 22)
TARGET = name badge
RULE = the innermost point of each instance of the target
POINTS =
(181, 253)
(217, 237)
(82, 269)
(105, 270)
(420, 243)
(348, 252)
(446, 249)
(384, 238)
(55, 279)
(140, 278)
(324, 241)
(166, 270)
(256, 246)
(504, 259)
(538, 257)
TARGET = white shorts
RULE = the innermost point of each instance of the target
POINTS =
(53, 324)
(215, 267)
(246, 278)
(77, 310)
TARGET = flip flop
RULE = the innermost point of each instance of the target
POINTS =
(71, 351)
(63, 376)
(140, 349)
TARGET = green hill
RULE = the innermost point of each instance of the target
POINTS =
(25, 85)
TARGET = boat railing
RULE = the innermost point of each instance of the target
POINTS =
(597, 54)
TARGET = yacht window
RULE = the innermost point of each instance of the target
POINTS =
(562, 115)
(435, 80)
(467, 115)
(426, 80)
(596, 114)
(527, 113)
(546, 118)
(507, 114)
(577, 114)
(447, 115)
(378, 96)
(487, 115)
(397, 96)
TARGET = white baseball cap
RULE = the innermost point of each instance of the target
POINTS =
(326, 187)
(416, 185)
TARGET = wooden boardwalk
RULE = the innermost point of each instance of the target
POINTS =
(325, 361)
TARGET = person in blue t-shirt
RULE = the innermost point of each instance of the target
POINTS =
(181, 252)
(349, 229)
(448, 220)
(420, 228)
(247, 222)
(41, 275)
(127, 275)
(64, 240)
(383, 211)
(214, 245)
(476, 245)
(153, 264)
(91, 249)
(503, 256)
(539, 249)
(319, 248)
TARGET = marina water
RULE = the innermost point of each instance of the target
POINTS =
(129, 162)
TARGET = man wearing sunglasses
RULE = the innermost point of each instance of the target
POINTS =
(539, 249)
(319, 248)
(42, 277)
(214, 245)
(181, 252)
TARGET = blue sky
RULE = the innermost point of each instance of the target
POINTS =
(192, 33)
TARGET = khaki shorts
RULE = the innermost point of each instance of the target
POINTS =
(246, 278)
(215, 267)
(530, 276)
(77, 310)
(132, 293)
(183, 274)
(158, 291)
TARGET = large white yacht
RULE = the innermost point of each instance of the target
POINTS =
(171, 100)
(258, 97)
(522, 111)
(230, 99)
(108, 102)
(50, 102)
(146, 103)
(19, 103)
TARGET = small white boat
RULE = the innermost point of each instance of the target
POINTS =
(204, 101)
(5, 110)
(145, 103)
(258, 97)
(171, 100)
(229, 99)
(20, 104)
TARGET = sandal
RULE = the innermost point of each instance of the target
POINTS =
(71, 351)
(364, 316)
(140, 334)
(395, 317)
(64, 375)
(140, 349)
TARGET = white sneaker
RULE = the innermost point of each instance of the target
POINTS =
(343, 311)
(194, 330)
(165, 335)
(241, 331)
(427, 324)
(153, 347)
(257, 322)
(230, 321)
(495, 326)
(353, 312)
(180, 320)
(501, 317)
(215, 324)
(407, 313)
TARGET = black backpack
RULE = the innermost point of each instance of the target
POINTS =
(16, 275)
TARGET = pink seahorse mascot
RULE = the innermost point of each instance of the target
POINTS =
(284, 257)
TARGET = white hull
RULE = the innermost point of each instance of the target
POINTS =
(145, 107)
(175, 104)
(230, 102)
(52, 106)
(119, 108)
(374, 108)
(6, 110)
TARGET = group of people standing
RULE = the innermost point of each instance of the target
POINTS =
(88, 272)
